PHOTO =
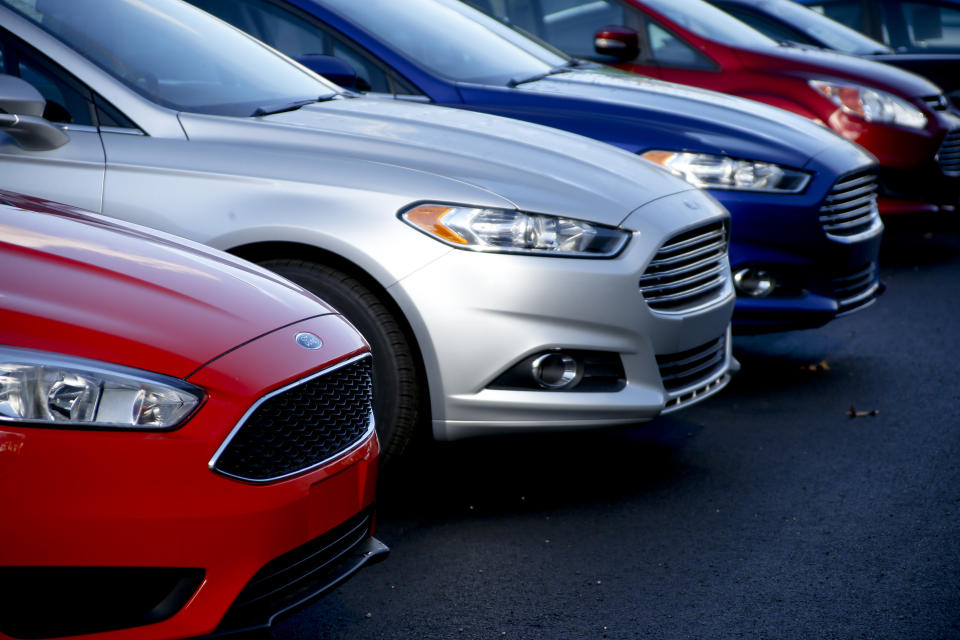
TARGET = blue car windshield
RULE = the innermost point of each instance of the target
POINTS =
(176, 55)
(451, 39)
(711, 23)
(831, 33)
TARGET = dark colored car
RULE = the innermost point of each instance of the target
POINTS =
(805, 230)
(186, 440)
(787, 21)
(903, 119)
(915, 26)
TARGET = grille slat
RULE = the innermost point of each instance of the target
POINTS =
(857, 289)
(850, 209)
(694, 373)
(302, 425)
(689, 270)
(303, 574)
(949, 155)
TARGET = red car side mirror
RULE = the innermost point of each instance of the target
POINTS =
(622, 43)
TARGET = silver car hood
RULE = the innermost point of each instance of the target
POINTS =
(534, 168)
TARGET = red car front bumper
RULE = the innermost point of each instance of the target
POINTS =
(134, 535)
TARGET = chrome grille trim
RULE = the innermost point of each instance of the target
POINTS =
(692, 375)
(849, 212)
(857, 290)
(949, 155)
(689, 271)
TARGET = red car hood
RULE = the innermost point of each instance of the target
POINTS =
(830, 65)
(82, 284)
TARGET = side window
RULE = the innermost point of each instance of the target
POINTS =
(847, 12)
(298, 36)
(668, 50)
(68, 101)
(571, 24)
(931, 26)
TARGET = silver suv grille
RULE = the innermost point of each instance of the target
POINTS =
(690, 270)
(850, 209)
(949, 154)
(695, 373)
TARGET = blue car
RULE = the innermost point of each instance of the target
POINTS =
(806, 232)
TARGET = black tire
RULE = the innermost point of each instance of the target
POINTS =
(396, 385)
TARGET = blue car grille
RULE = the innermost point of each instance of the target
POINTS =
(937, 102)
(850, 209)
(857, 289)
(302, 425)
(949, 154)
(689, 270)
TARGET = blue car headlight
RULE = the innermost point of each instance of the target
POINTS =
(711, 171)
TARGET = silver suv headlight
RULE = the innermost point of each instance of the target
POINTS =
(49, 389)
(508, 231)
(873, 105)
(710, 171)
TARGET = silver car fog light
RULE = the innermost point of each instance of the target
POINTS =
(556, 371)
(755, 283)
(508, 231)
(572, 370)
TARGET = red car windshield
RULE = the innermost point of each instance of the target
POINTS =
(707, 21)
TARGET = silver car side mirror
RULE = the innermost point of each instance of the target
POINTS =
(21, 116)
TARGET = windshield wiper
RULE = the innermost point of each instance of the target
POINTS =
(563, 68)
(269, 110)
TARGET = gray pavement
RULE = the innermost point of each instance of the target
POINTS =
(766, 512)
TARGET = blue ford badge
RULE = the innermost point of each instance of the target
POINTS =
(309, 341)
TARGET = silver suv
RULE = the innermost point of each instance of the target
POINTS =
(507, 276)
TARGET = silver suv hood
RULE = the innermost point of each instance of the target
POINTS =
(535, 168)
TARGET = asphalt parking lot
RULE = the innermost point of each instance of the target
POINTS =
(767, 512)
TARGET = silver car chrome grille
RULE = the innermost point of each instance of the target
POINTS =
(850, 208)
(302, 425)
(689, 270)
(949, 154)
(858, 289)
(937, 102)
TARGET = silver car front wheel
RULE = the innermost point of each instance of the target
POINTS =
(396, 386)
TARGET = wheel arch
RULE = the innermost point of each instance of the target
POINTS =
(258, 252)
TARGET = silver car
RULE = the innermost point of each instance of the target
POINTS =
(508, 276)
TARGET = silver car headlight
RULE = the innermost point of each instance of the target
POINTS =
(873, 105)
(710, 171)
(48, 389)
(507, 231)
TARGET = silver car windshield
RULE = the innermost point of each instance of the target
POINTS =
(176, 55)
(707, 21)
(451, 39)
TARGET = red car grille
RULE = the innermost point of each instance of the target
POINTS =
(301, 426)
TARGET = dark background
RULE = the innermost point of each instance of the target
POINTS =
(764, 512)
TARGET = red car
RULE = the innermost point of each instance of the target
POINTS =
(186, 440)
(900, 117)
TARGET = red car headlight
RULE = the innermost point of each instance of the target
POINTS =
(49, 389)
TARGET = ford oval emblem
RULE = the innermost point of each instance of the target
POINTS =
(309, 341)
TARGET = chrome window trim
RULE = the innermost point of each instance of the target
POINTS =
(256, 405)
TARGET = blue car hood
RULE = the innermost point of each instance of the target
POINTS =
(638, 113)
